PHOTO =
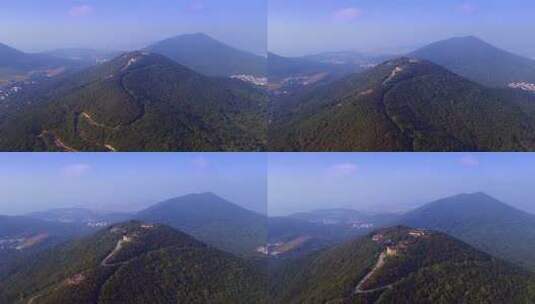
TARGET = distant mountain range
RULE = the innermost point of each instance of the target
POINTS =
(479, 61)
(208, 56)
(15, 64)
(288, 76)
(213, 220)
(89, 56)
(483, 222)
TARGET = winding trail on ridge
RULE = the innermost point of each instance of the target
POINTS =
(380, 263)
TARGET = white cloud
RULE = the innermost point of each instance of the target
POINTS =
(75, 170)
(342, 170)
(196, 6)
(469, 160)
(347, 14)
(467, 8)
(81, 10)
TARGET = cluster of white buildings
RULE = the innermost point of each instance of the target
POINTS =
(259, 81)
(11, 243)
(526, 86)
(270, 249)
(5, 93)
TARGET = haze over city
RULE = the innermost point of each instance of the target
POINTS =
(302, 27)
(124, 25)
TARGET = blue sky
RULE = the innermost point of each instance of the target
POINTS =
(395, 181)
(279, 183)
(36, 25)
(298, 27)
(127, 181)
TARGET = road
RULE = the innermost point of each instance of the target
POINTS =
(379, 264)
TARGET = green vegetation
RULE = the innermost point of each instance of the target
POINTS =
(431, 269)
(139, 102)
(405, 105)
(155, 264)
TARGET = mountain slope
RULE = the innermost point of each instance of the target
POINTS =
(16, 64)
(138, 102)
(484, 223)
(21, 236)
(405, 105)
(134, 263)
(212, 220)
(403, 265)
(208, 56)
(289, 75)
(479, 61)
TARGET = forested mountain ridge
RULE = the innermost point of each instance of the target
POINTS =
(134, 263)
(405, 105)
(402, 265)
(139, 102)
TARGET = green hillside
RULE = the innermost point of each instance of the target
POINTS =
(138, 102)
(405, 105)
(134, 263)
(426, 268)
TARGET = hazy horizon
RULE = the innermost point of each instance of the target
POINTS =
(129, 25)
(394, 182)
(274, 183)
(127, 182)
(304, 27)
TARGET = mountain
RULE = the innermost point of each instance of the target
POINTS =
(208, 56)
(479, 61)
(402, 265)
(15, 64)
(89, 56)
(483, 222)
(405, 105)
(138, 102)
(212, 220)
(134, 263)
(21, 236)
(345, 216)
(360, 59)
(289, 74)
(82, 216)
(290, 237)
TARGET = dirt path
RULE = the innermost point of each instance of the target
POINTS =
(118, 248)
(32, 299)
(111, 148)
(380, 263)
(57, 141)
